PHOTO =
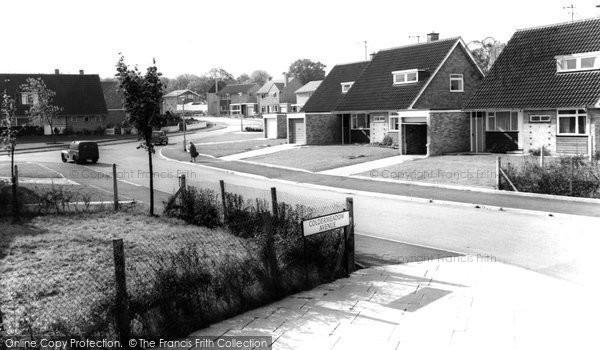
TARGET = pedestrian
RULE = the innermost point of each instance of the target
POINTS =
(193, 152)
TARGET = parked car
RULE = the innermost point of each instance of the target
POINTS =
(80, 152)
(160, 138)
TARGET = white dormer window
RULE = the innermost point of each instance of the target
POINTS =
(346, 86)
(405, 76)
(578, 62)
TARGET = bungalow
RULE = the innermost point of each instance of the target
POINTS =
(175, 100)
(412, 96)
(238, 99)
(543, 91)
(79, 96)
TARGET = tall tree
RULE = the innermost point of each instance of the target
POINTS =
(307, 70)
(220, 74)
(243, 79)
(486, 52)
(8, 141)
(41, 103)
(142, 97)
(260, 77)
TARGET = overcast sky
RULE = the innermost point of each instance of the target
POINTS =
(242, 36)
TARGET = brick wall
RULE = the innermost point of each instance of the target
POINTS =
(212, 101)
(438, 94)
(448, 132)
(281, 126)
(322, 129)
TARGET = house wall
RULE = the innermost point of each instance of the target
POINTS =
(212, 101)
(301, 98)
(438, 94)
(595, 128)
(79, 123)
(270, 100)
(448, 132)
(537, 134)
(322, 129)
(169, 105)
(115, 117)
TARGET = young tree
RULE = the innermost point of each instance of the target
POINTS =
(307, 70)
(142, 97)
(486, 52)
(42, 109)
(8, 141)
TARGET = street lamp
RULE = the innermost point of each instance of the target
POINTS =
(241, 115)
(184, 126)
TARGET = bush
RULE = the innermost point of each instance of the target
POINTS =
(198, 207)
(387, 141)
(253, 129)
(536, 151)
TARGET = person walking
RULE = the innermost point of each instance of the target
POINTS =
(193, 152)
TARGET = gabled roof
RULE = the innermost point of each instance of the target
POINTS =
(268, 85)
(329, 93)
(222, 84)
(310, 86)
(374, 90)
(76, 94)
(176, 93)
(237, 88)
(112, 95)
(525, 75)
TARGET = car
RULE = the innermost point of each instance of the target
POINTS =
(160, 138)
(80, 152)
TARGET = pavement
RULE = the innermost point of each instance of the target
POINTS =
(366, 166)
(460, 302)
(260, 152)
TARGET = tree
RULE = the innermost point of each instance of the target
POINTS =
(260, 77)
(42, 110)
(486, 52)
(8, 141)
(243, 79)
(142, 97)
(307, 70)
(220, 74)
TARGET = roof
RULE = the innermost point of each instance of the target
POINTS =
(236, 89)
(310, 86)
(268, 85)
(75, 93)
(176, 93)
(112, 95)
(374, 90)
(329, 93)
(524, 75)
(221, 83)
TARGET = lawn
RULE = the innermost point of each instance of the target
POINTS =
(28, 170)
(320, 158)
(232, 136)
(229, 148)
(463, 170)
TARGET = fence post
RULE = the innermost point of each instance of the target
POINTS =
(498, 174)
(571, 178)
(223, 201)
(15, 193)
(274, 202)
(115, 190)
(542, 156)
(122, 302)
(350, 237)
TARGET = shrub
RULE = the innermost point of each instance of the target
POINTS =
(253, 129)
(198, 207)
(536, 151)
(387, 141)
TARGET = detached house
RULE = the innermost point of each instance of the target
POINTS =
(174, 101)
(80, 97)
(304, 93)
(238, 99)
(543, 90)
(278, 97)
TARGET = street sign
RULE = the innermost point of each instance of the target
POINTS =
(325, 223)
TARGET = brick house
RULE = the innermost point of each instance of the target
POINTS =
(79, 96)
(414, 96)
(235, 99)
(543, 90)
(278, 97)
(213, 100)
(174, 100)
(114, 103)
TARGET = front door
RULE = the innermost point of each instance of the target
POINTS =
(378, 128)
(477, 132)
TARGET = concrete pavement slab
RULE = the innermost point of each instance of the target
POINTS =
(366, 166)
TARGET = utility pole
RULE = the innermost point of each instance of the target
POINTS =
(571, 9)
(415, 36)
(184, 126)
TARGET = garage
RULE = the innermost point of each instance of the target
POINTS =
(415, 138)
(297, 131)
(271, 128)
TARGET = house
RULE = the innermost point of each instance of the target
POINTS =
(212, 99)
(174, 100)
(543, 90)
(79, 96)
(238, 99)
(316, 123)
(412, 96)
(278, 97)
(304, 93)
(114, 103)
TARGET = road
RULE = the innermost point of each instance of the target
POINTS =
(562, 246)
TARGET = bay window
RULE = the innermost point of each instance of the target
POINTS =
(502, 121)
(572, 122)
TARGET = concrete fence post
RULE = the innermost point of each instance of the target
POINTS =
(498, 172)
(274, 204)
(121, 298)
(542, 156)
(223, 200)
(350, 263)
(115, 190)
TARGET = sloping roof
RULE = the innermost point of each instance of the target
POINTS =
(525, 76)
(75, 93)
(176, 93)
(329, 93)
(236, 88)
(112, 95)
(374, 90)
(288, 93)
(310, 86)
(222, 84)
(267, 86)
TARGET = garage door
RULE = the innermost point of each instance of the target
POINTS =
(297, 131)
(271, 125)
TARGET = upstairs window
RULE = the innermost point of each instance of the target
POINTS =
(456, 83)
(405, 76)
(578, 62)
(346, 86)
(571, 122)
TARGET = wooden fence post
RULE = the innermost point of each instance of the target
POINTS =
(15, 194)
(115, 190)
(223, 201)
(274, 202)
(542, 156)
(350, 264)
(122, 302)
(498, 173)
(571, 177)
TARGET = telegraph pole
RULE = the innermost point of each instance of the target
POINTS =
(415, 36)
(571, 9)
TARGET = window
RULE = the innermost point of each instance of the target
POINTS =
(275, 108)
(456, 83)
(405, 76)
(539, 118)
(394, 123)
(28, 98)
(578, 62)
(502, 121)
(263, 109)
(360, 121)
(275, 94)
(346, 86)
(572, 122)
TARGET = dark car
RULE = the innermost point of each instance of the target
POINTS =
(160, 138)
(80, 152)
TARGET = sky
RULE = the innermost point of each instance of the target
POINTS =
(241, 36)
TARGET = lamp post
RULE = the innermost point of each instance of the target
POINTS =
(241, 115)
(184, 125)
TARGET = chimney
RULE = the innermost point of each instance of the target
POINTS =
(56, 71)
(433, 36)
(372, 55)
(81, 72)
(285, 79)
